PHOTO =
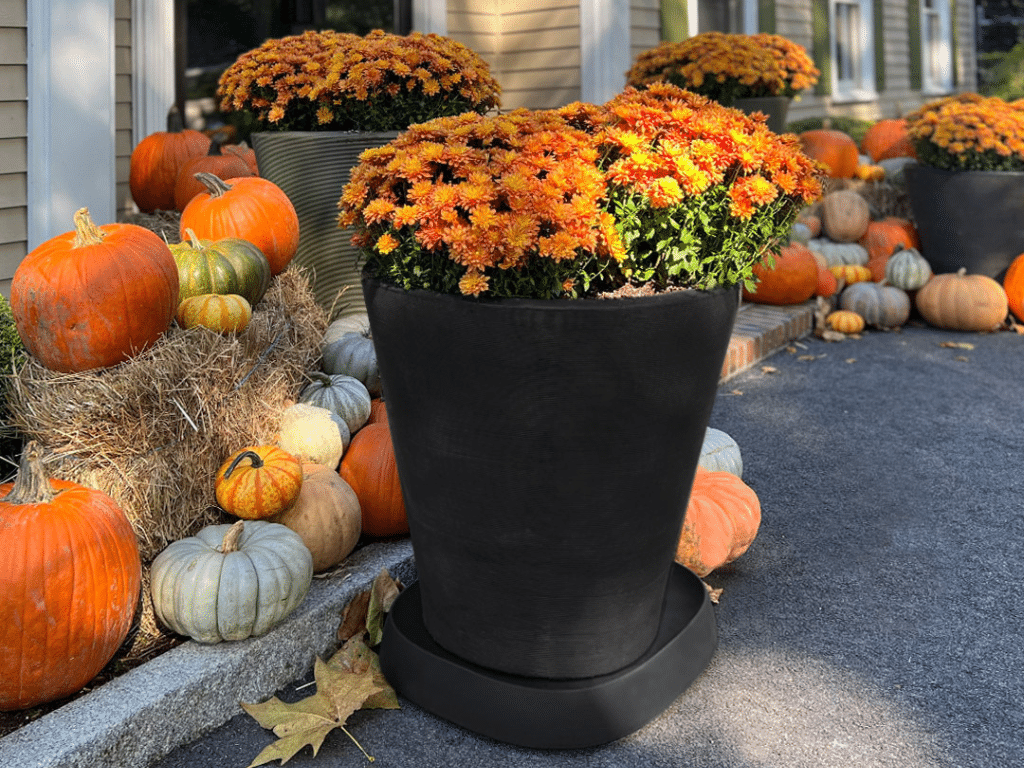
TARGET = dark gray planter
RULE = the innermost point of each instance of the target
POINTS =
(970, 219)
(776, 107)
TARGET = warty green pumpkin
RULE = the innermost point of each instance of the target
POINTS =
(230, 582)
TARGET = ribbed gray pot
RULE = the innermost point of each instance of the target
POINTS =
(313, 167)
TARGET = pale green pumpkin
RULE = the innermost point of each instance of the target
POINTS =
(907, 269)
(353, 354)
(341, 394)
(230, 582)
(720, 453)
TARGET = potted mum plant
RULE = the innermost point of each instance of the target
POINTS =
(551, 295)
(754, 73)
(967, 188)
(318, 99)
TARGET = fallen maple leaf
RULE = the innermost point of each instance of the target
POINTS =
(382, 595)
(956, 344)
(339, 693)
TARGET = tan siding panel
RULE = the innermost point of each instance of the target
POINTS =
(123, 142)
(123, 32)
(544, 59)
(11, 255)
(14, 13)
(13, 155)
(13, 225)
(13, 190)
(562, 39)
(13, 45)
(538, 6)
(548, 98)
(536, 22)
(123, 9)
(14, 81)
(13, 119)
(553, 78)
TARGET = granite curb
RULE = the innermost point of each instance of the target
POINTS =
(176, 698)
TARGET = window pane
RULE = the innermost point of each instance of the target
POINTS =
(720, 16)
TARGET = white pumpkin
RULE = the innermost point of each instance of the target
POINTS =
(230, 582)
(836, 254)
(720, 453)
(358, 322)
(907, 269)
(313, 434)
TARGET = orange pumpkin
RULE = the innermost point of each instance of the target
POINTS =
(835, 149)
(250, 207)
(244, 151)
(71, 583)
(887, 139)
(92, 297)
(722, 520)
(157, 160)
(378, 411)
(827, 283)
(1013, 284)
(961, 302)
(869, 173)
(851, 273)
(793, 279)
(258, 482)
(883, 236)
(369, 467)
(220, 164)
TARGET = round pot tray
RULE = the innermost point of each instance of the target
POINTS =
(553, 714)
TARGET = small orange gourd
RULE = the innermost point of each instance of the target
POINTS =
(258, 482)
(851, 273)
(845, 321)
(223, 313)
(721, 522)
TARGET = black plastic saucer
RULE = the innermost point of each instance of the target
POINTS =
(553, 714)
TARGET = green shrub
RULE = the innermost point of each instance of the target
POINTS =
(12, 351)
(854, 126)
(1005, 76)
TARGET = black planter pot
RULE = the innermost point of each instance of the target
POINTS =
(775, 107)
(970, 219)
(546, 450)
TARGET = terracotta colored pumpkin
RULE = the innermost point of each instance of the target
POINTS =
(378, 411)
(835, 149)
(961, 302)
(877, 268)
(157, 160)
(851, 273)
(883, 236)
(827, 283)
(223, 313)
(882, 306)
(887, 139)
(326, 516)
(1013, 284)
(793, 278)
(845, 216)
(224, 166)
(907, 269)
(313, 434)
(92, 297)
(229, 265)
(845, 321)
(810, 220)
(835, 253)
(721, 522)
(369, 467)
(252, 208)
(244, 151)
(230, 582)
(71, 583)
(258, 482)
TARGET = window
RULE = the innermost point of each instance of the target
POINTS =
(853, 75)
(737, 16)
(936, 57)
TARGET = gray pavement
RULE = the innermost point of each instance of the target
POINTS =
(875, 621)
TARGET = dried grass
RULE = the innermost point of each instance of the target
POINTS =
(152, 431)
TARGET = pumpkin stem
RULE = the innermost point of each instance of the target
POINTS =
(230, 542)
(254, 457)
(320, 377)
(86, 232)
(215, 185)
(194, 238)
(31, 486)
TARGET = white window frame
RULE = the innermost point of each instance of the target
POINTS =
(430, 16)
(936, 53)
(750, 17)
(604, 49)
(152, 66)
(860, 86)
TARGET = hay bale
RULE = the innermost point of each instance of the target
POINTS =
(152, 431)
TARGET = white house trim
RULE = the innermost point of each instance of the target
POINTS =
(430, 16)
(152, 66)
(750, 17)
(71, 150)
(604, 49)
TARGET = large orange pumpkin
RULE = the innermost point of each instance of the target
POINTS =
(92, 297)
(884, 235)
(957, 301)
(836, 149)
(157, 160)
(1013, 284)
(887, 139)
(250, 207)
(70, 583)
(722, 520)
(793, 279)
(224, 165)
(369, 467)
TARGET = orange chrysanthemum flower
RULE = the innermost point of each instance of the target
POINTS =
(969, 132)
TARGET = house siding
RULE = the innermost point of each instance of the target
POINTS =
(13, 138)
(123, 140)
(645, 26)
